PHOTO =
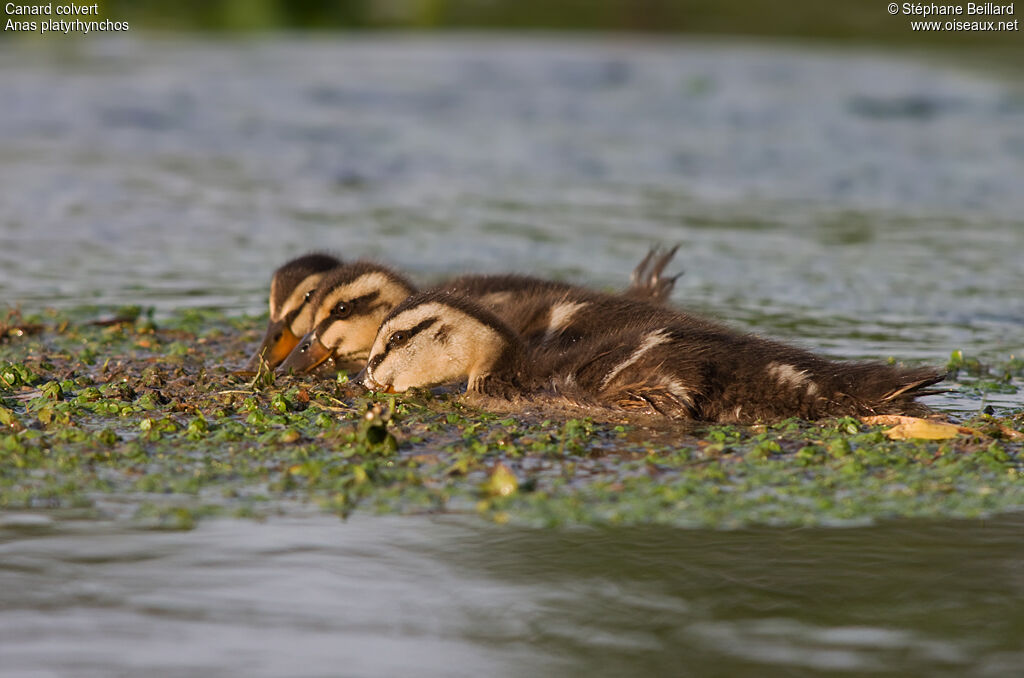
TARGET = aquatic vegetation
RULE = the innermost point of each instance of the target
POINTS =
(128, 419)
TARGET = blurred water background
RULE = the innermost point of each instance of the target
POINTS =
(866, 203)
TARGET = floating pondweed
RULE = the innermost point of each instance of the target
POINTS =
(89, 412)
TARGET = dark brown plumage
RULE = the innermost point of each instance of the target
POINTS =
(638, 357)
(707, 374)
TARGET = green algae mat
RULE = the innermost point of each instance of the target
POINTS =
(113, 416)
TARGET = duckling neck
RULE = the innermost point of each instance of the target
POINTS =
(504, 376)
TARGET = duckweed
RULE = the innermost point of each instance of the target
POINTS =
(155, 415)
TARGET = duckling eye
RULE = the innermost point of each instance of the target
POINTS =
(397, 339)
(342, 310)
(308, 295)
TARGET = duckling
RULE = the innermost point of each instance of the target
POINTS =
(291, 288)
(533, 307)
(346, 310)
(644, 363)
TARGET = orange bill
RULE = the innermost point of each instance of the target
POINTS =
(277, 344)
(307, 354)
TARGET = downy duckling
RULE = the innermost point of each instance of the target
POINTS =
(346, 310)
(291, 315)
(642, 364)
(352, 300)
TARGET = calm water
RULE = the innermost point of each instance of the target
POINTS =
(866, 205)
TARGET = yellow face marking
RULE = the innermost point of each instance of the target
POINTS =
(351, 336)
(274, 284)
(389, 291)
(296, 301)
(469, 350)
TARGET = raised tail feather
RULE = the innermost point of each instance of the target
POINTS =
(647, 282)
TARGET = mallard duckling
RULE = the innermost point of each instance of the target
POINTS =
(346, 310)
(679, 369)
(291, 289)
(352, 300)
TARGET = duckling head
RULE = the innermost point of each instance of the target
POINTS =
(291, 316)
(346, 309)
(436, 338)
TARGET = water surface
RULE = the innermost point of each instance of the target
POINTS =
(863, 203)
(413, 596)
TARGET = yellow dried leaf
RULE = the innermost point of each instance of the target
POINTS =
(923, 429)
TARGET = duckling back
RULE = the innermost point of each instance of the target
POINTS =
(709, 373)
(551, 312)
(556, 316)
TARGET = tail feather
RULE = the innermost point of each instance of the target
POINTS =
(884, 389)
(812, 387)
(916, 389)
(647, 282)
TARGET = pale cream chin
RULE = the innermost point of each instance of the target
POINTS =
(403, 381)
(435, 367)
(380, 378)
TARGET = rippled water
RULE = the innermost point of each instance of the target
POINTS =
(864, 204)
(409, 596)
(867, 204)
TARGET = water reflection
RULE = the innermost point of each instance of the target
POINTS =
(409, 596)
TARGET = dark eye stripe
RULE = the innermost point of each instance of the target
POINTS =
(376, 360)
(290, 318)
(419, 327)
(358, 305)
(409, 334)
(441, 336)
